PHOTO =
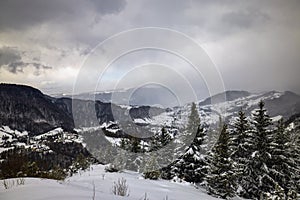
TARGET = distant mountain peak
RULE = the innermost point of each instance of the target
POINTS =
(228, 95)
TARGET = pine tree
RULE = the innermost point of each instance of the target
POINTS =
(241, 147)
(284, 167)
(165, 138)
(191, 160)
(296, 156)
(160, 140)
(191, 166)
(193, 121)
(175, 170)
(259, 181)
(295, 148)
(240, 140)
(134, 145)
(279, 193)
(124, 143)
(221, 179)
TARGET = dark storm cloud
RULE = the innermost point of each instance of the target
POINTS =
(18, 14)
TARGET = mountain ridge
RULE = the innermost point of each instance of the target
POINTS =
(27, 108)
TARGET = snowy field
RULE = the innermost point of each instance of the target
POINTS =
(80, 187)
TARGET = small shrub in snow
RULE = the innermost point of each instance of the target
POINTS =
(111, 168)
(154, 175)
(11, 183)
(20, 181)
(8, 184)
(145, 197)
(120, 188)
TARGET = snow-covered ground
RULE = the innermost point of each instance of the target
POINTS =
(80, 186)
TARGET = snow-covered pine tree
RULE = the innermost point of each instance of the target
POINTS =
(124, 143)
(277, 194)
(294, 132)
(284, 167)
(258, 180)
(194, 167)
(240, 137)
(241, 142)
(191, 166)
(134, 145)
(160, 140)
(221, 179)
(165, 137)
(296, 155)
(193, 120)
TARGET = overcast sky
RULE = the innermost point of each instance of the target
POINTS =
(255, 45)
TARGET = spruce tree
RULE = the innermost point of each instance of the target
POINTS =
(259, 181)
(191, 166)
(240, 140)
(284, 168)
(165, 138)
(190, 160)
(124, 144)
(296, 156)
(241, 147)
(134, 145)
(193, 120)
(221, 180)
(160, 140)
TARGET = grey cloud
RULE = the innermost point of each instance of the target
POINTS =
(16, 67)
(9, 55)
(244, 18)
(219, 19)
(16, 14)
(40, 66)
(108, 6)
(36, 59)
(241, 36)
(11, 60)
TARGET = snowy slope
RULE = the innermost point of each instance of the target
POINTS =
(210, 113)
(80, 186)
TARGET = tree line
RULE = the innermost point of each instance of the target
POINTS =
(252, 158)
